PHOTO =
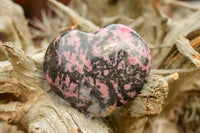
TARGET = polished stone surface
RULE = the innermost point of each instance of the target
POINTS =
(98, 72)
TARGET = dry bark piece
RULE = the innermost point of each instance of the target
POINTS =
(184, 47)
(148, 103)
(184, 58)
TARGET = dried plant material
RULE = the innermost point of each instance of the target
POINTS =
(189, 114)
(184, 27)
(180, 4)
(162, 125)
(85, 24)
(50, 25)
(5, 66)
(11, 25)
(177, 54)
(120, 19)
(5, 128)
(71, 27)
(109, 8)
(183, 45)
(154, 30)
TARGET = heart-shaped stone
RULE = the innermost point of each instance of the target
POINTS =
(98, 72)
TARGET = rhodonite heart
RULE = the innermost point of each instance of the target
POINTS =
(98, 72)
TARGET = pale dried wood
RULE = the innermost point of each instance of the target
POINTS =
(184, 47)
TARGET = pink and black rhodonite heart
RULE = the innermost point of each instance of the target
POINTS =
(98, 72)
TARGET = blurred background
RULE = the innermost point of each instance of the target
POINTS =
(32, 8)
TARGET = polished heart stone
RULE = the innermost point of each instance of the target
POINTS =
(98, 72)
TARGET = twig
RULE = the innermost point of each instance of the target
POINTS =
(172, 77)
(159, 46)
(183, 45)
(169, 71)
(137, 22)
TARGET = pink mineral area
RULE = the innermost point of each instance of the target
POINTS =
(66, 55)
(111, 41)
(119, 94)
(57, 82)
(91, 80)
(106, 72)
(115, 85)
(73, 40)
(88, 64)
(124, 29)
(100, 30)
(120, 65)
(123, 101)
(97, 50)
(70, 94)
(86, 61)
(132, 94)
(59, 57)
(132, 59)
(124, 34)
(73, 58)
(80, 68)
(127, 87)
(103, 32)
(106, 58)
(73, 62)
(103, 89)
(67, 80)
(49, 79)
(57, 38)
(72, 87)
(90, 37)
